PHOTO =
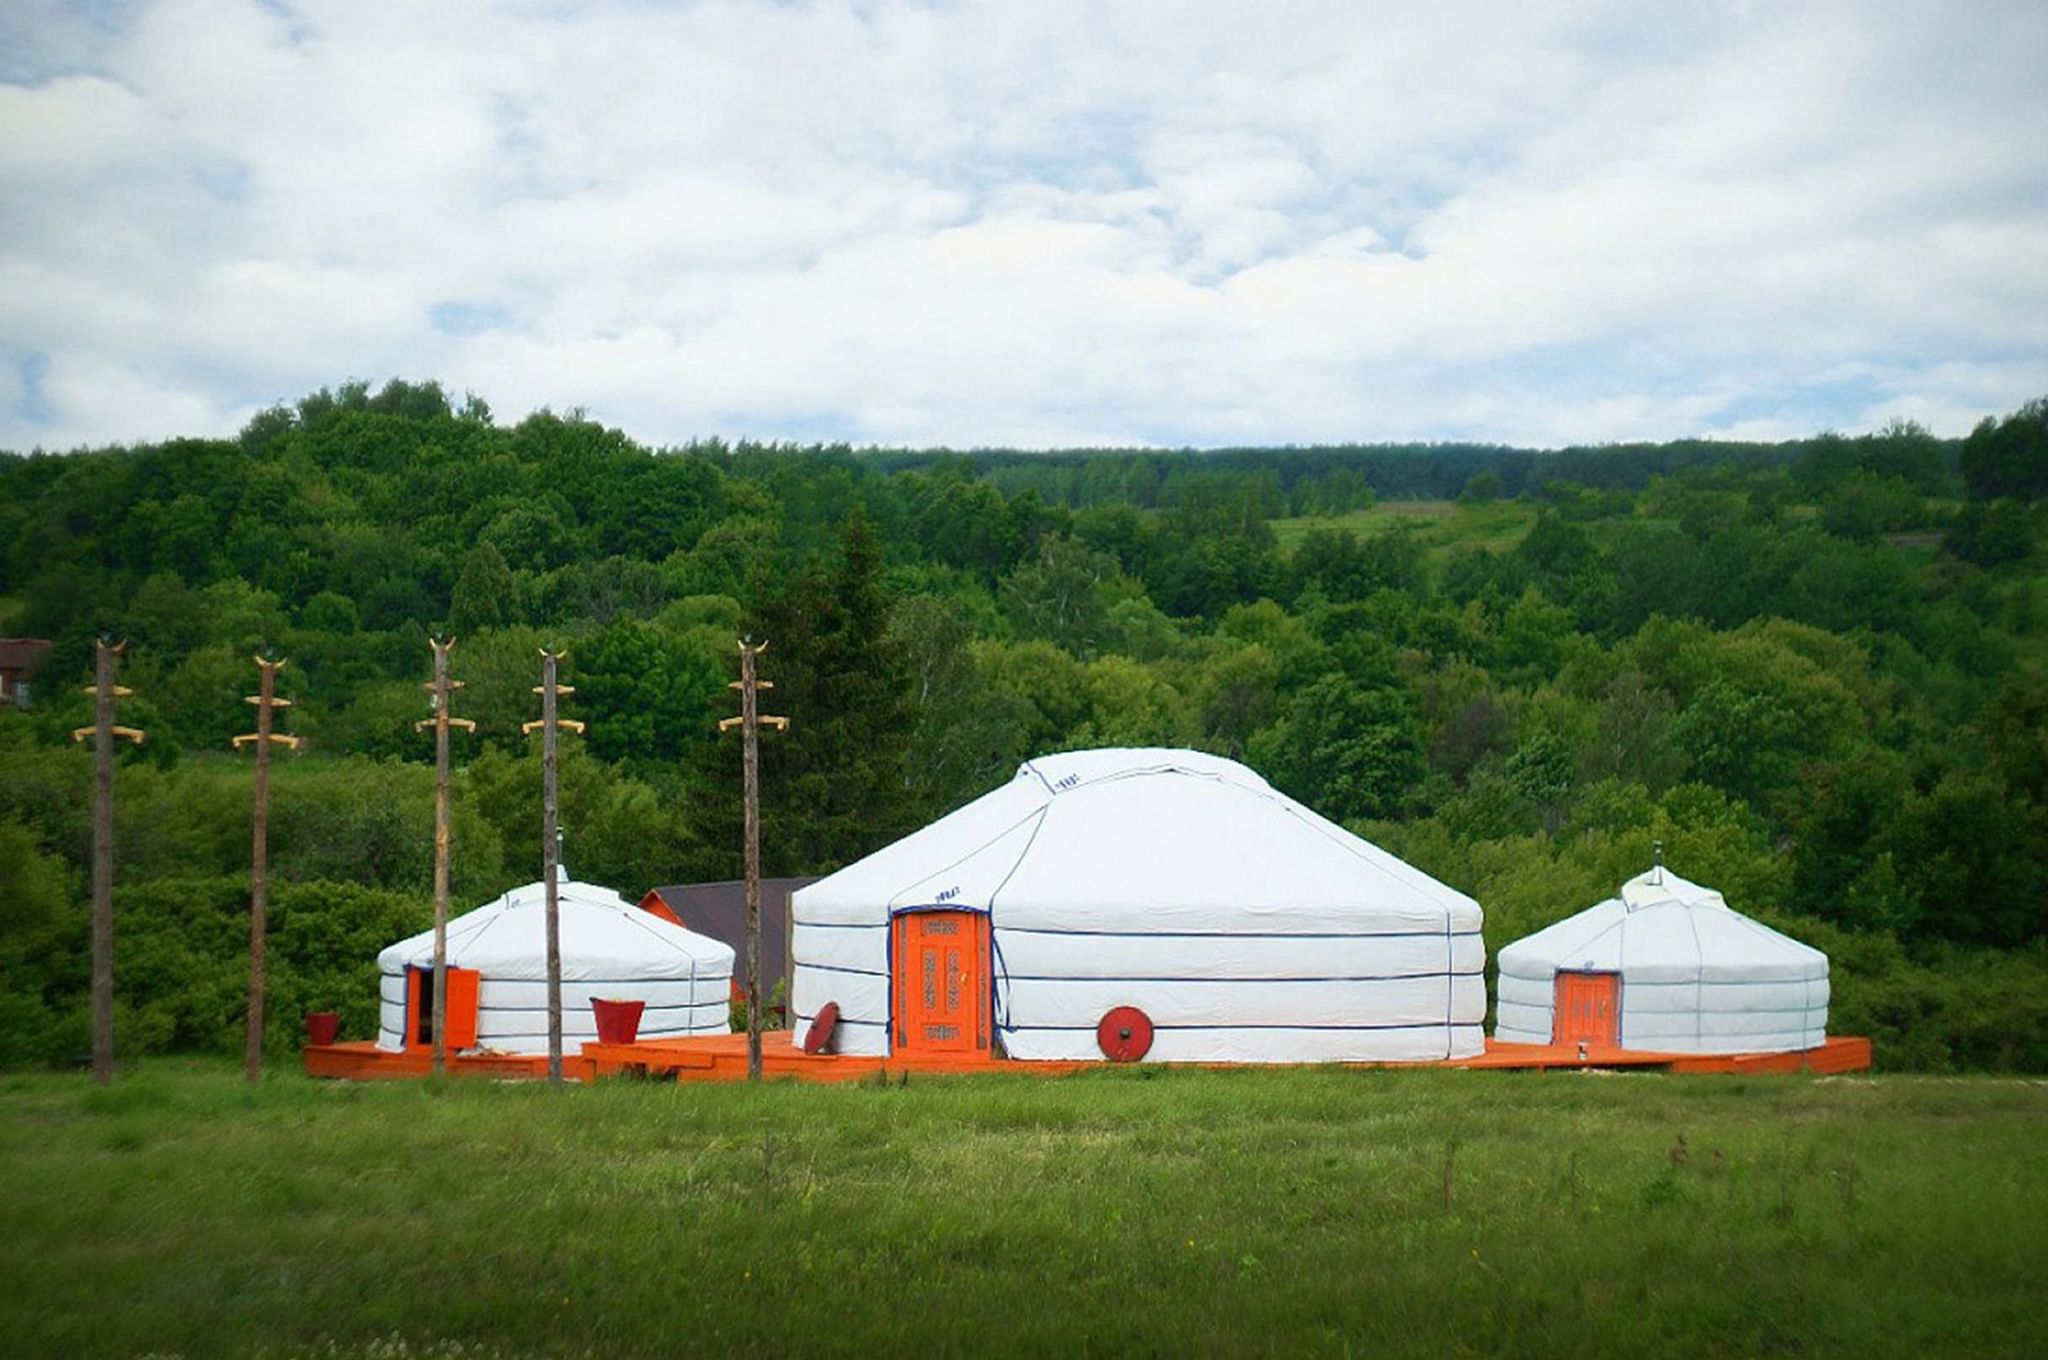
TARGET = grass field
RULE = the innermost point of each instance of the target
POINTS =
(1135, 1211)
(1440, 526)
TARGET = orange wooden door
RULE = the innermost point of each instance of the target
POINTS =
(940, 968)
(463, 984)
(1588, 1008)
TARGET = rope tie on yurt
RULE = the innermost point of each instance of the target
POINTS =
(1763, 931)
(1320, 826)
(999, 981)
(1450, 985)
(896, 904)
(1699, 981)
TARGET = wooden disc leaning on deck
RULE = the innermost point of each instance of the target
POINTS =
(1124, 1034)
(822, 1025)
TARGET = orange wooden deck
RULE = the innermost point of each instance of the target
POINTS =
(362, 1061)
(1840, 1053)
(723, 1057)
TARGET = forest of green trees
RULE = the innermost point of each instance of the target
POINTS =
(1817, 671)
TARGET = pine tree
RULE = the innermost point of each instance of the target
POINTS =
(834, 786)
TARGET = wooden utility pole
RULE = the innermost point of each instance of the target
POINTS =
(550, 846)
(440, 687)
(749, 722)
(103, 731)
(265, 700)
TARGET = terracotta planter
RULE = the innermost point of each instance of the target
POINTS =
(323, 1027)
(618, 1022)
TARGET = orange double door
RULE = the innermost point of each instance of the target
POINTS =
(462, 1007)
(1588, 1009)
(938, 965)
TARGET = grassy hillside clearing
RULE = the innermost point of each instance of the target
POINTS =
(1320, 1212)
(1441, 525)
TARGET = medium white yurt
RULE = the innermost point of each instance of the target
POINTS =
(1158, 904)
(498, 971)
(1667, 967)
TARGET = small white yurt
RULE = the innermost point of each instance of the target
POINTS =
(1666, 967)
(498, 971)
(1158, 904)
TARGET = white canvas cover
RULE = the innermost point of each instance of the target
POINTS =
(610, 949)
(1697, 976)
(1245, 926)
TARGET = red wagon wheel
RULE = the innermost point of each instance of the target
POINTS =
(1124, 1034)
(822, 1025)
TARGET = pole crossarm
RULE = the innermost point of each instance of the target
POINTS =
(763, 719)
(274, 738)
(264, 702)
(134, 734)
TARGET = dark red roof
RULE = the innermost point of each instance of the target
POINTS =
(22, 654)
(720, 911)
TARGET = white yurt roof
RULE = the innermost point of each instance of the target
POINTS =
(1662, 928)
(1144, 839)
(603, 936)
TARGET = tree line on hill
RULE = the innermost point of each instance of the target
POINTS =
(1814, 670)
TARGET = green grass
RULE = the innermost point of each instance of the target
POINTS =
(1441, 526)
(1280, 1212)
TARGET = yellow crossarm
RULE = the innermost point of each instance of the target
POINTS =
(133, 734)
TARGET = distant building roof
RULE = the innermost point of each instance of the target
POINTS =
(22, 654)
(720, 911)
(19, 658)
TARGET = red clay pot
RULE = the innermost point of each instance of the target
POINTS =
(323, 1027)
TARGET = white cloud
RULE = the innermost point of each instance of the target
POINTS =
(993, 223)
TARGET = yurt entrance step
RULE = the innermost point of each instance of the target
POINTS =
(1588, 1008)
(939, 970)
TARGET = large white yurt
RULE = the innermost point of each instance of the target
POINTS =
(1668, 967)
(1162, 904)
(498, 971)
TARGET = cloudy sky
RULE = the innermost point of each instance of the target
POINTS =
(1028, 223)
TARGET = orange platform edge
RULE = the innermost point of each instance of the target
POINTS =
(723, 1057)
